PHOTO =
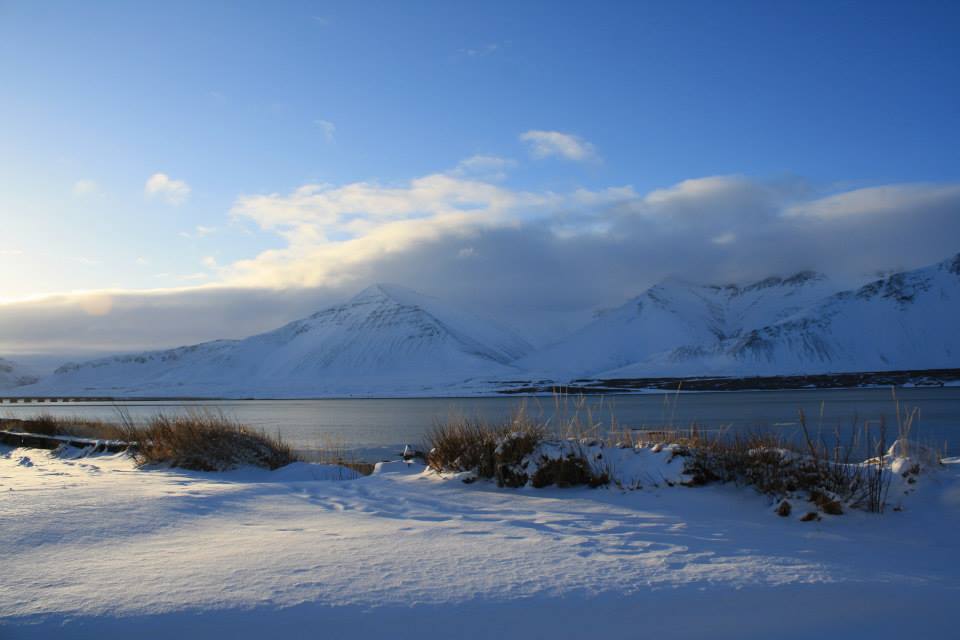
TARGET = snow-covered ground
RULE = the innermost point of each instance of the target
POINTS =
(93, 547)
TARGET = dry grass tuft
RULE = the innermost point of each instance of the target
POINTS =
(511, 452)
(201, 441)
(50, 425)
(205, 442)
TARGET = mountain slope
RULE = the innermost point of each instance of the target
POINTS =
(387, 339)
(908, 320)
(905, 321)
(675, 320)
(13, 375)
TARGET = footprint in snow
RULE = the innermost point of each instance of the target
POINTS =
(24, 461)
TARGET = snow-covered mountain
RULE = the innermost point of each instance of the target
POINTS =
(386, 340)
(776, 326)
(675, 322)
(908, 320)
(14, 375)
(389, 340)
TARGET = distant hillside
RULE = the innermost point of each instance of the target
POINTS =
(14, 375)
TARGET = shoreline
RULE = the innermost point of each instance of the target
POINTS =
(905, 379)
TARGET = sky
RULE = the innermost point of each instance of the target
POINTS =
(180, 171)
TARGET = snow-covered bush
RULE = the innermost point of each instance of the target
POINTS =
(515, 454)
(825, 475)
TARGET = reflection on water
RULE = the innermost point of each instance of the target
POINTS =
(375, 428)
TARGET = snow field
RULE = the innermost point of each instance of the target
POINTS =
(94, 546)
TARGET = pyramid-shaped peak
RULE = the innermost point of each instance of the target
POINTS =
(388, 292)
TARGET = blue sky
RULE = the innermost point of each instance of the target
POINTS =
(577, 112)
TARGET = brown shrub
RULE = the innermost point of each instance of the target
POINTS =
(50, 425)
(463, 445)
(205, 442)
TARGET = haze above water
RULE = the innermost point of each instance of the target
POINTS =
(377, 428)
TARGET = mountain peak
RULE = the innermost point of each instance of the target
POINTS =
(798, 279)
(388, 292)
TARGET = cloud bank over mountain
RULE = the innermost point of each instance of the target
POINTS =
(538, 259)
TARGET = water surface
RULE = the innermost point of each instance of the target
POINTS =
(379, 428)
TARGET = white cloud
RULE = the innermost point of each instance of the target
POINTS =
(160, 185)
(331, 230)
(544, 254)
(724, 238)
(481, 51)
(544, 144)
(96, 304)
(876, 200)
(327, 128)
(199, 231)
(85, 188)
(716, 228)
(484, 167)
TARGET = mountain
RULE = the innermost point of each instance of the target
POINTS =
(908, 320)
(389, 340)
(14, 375)
(386, 340)
(777, 326)
(675, 323)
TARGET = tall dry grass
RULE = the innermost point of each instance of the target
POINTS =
(50, 425)
(204, 441)
(198, 440)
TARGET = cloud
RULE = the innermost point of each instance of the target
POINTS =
(481, 51)
(882, 200)
(85, 188)
(484, 167)
(715, 229)
(199, 231)
(327, 128)
(332, 231)
(544, 144)
(96, 304)
(724, 238)
(538, 260)
(160, 185)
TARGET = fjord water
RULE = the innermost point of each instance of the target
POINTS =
(378, 428)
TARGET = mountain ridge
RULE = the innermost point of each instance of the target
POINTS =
(391, 340)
